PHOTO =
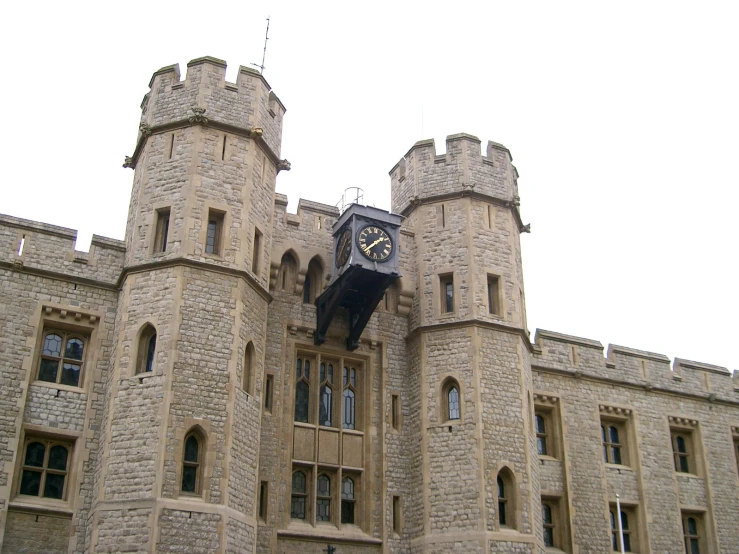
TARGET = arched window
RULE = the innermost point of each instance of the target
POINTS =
(299, 495)
(249, 362)
(541, 435)
(147, 349)
(302, 390)
(288, 274)
(615, 540)
(611, 443)
(451, 402)
(313, 281)
(62, 356)
(349, 398)
(547, 520)
(326, 394)
(323, 498)
(347, 500)
(192, 465)
(506, 498)
(45, 468)
(691, 534)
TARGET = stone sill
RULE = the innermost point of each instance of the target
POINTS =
(51, 507)
(327, 532)
(619, 467)
(58, 386)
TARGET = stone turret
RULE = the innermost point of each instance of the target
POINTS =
(189, 332)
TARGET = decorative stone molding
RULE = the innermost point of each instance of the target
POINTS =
(684, 421)
(545, 399)
(283, 165)
(17, 265)
(198, 116)
(614, 410)
(63, 314)
(128, 162)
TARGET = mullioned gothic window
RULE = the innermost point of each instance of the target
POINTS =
(350, 388)
(45, 468)
(192, 465)
(299, 495)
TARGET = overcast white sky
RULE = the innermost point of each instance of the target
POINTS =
(622, 119)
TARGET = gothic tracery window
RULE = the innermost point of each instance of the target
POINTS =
(323, 498)
(347, 500)
(192, 463)
(350, 387)
(302, 390)
(326, 394)
(299, 495)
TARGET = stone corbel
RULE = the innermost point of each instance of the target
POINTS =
(283, 165)
(198, 116)
(144, 129)
(128, 162)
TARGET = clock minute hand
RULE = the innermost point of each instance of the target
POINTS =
(367, 249)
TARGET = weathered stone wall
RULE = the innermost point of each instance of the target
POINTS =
(30, 533)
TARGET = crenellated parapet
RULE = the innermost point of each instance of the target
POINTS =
(35, 247)
(248, 107)
(423, 175)
(583, 358)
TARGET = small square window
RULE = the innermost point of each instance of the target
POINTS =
(447, 293)
(161, 234)
(214, 232)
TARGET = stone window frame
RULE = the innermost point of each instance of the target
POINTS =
(630, 525)
(688, 430)
(446, 279)
(30, 433)
(287, 272)
(547, 407)
(306, 495)
(735, 442)
(356, 479)
(700, 535)
(145, 358)
(621, 419)
(313, 282)
(161, 222)
(494, 301)
(71, 321)
(249, 368)
(218, 214)
(206, 453)
(447, 384)
(556, 523)
(510, 521)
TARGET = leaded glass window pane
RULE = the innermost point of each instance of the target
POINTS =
(35, 452)
(330, 373)
(74, 350)
(326, 412)
(548, 536)
(348, 422)
(323, 372)
(546, 514)
(307, 369)
(150, 353)
(616, 454)
(299, 369)
(323, 500)
(299, 482)
(30, 482)
(52, 345)
(47, 370)
(191, 449)
(70, 374)
(692, 526)
(301, 401)
(614, 435)
(189, 478)
(501, 488)
(324, 485)
(453, 399)
(58, 457)
(210, 241)
(541, 445)
(347, 500)
(54, 485)
(540, 425)
(297, 507)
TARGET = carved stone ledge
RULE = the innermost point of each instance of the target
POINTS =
(545, 399)
(687, 422)
(614, 410)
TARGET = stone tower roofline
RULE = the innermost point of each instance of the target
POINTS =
(247, 108)
(583, 358)
(461, 171)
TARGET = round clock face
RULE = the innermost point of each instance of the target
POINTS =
(374, 243)
(343, 247)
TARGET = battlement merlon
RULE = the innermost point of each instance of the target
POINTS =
(584, 357)
(205, 97)
(29, 245)
(423, 175)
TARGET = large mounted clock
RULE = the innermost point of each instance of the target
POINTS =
(374, 243)
(366, 263)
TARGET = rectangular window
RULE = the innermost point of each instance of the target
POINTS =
(627, 530)
(62, 357)
(214, 232)
(613, 433)
(161, 233)
(694, 533)
(545, 437)
(493, 295)
(396, 515)
(549, 520)
(349, 491)
(395, 412)
(256, 253)
(683, 452)
(263, 499)
(45, 468)
(447, 293)
(268, 385)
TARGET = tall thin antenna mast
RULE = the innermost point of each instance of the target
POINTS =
(264, 53)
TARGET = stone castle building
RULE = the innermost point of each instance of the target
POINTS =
(166, 393)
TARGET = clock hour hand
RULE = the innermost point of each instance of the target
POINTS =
(367, 249)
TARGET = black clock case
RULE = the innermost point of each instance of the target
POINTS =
(356, 217)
